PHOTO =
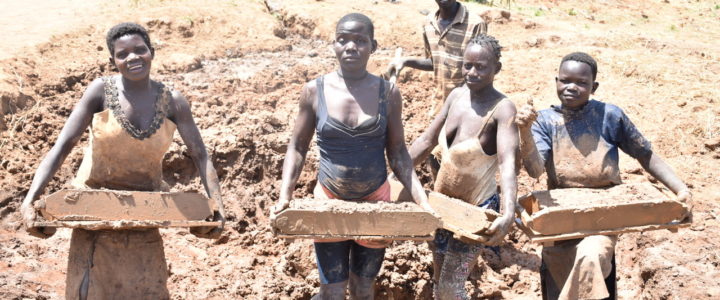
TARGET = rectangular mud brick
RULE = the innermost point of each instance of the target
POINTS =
(125, 224)
(108, 205)
(315, 218)
(462, 218)
(582, 210)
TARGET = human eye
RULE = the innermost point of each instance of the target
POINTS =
(141, 50)
(121, 54)
(467, 66)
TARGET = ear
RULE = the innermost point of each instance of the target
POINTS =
(112, 61)
(595, 87)
(556, 79)
(498, 68)
(374, 46)
(152, 51)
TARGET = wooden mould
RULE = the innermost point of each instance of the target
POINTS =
(465, 220)
(322, 219)
(109, 209)
(561, 214)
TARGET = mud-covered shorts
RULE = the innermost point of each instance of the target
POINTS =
(444, 239)
(336, 259)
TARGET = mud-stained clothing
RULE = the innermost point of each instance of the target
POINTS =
(579, 267)
(580, 148)
(352, 159)
(453, 259)
(466, 171)
(115, 158)
(121, 264)
(446, 48)
(336, 260)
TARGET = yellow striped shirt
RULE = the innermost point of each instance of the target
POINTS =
(446, 49)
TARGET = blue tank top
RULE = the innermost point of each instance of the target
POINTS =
(352, 159)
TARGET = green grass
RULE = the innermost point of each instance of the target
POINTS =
(539, 12)
(572, 12)
(673, 28)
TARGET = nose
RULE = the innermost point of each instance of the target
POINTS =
(132, 56)
(351, 46)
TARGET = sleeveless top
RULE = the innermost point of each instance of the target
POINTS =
(352, 159)
(120, 156)
(466, 172)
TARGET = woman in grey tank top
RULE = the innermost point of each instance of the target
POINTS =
(357, 117)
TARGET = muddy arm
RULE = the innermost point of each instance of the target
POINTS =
(190, 134)
(656, 166)
(80, 118)
(299, 145)
(423, 145)
(507, 145)
(397, 153)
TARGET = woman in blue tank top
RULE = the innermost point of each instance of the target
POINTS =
(357, 118)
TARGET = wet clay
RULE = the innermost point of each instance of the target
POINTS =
(564, 211)
(457, 214)
(87, 205)
(327, 218)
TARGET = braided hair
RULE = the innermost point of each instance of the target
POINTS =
(487, 41)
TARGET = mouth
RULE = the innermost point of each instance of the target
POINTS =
(136, 67)
(570, 96)
(472, 79)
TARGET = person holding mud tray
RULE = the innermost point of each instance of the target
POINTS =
(357, 118)
(132, 120)
(577, 143)
(477, 135)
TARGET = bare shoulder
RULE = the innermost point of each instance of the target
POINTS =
(94, 96)
(506, 109)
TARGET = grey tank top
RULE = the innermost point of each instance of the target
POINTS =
(352, 159)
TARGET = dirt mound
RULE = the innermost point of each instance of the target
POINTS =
(242, 64)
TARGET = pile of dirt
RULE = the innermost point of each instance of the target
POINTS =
(242, 65)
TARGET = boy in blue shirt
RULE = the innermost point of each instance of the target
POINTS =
(577, 144)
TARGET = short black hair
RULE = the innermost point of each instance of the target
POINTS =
(358, 17)
(583, 58)
(124, 29)
(487, 41)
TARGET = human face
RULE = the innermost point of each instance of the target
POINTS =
(132, 57)
(575, 84)
(479, 67)
(353, 45)
(446, 4)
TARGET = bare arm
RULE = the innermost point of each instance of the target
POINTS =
(656, 166)
(424, 144)
(397, 152)
(190, 134)
(507, 145)
(298, 146)
(80, 118)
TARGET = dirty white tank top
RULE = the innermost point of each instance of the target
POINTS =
(466, 172)
(120, 156)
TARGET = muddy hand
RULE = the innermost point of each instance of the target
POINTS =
(526, 115)
(685, 196)
(498, 230)
(209, 232)
(396, 65)
(29, 214)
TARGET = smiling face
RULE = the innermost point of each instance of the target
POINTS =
(353, 45)
(132, 57)
(575, 84)
(479, 67)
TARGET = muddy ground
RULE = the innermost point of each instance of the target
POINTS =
(242, 64)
